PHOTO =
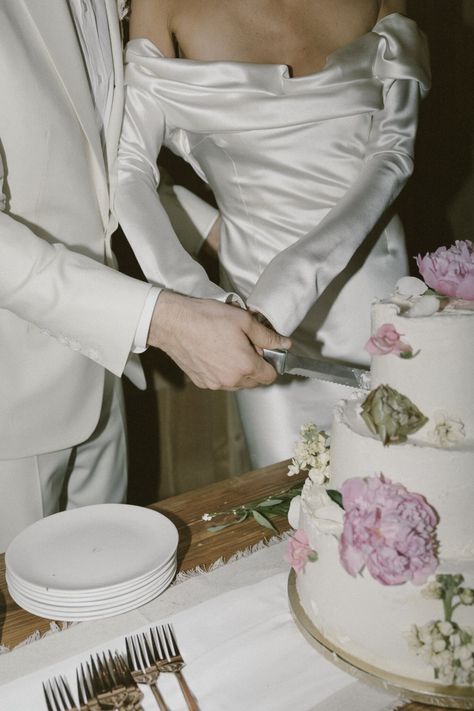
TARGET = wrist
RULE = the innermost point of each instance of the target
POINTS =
(167, 317)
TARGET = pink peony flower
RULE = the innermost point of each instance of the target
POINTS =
(387, 529)
(450, 271)
(299, 551)
(386, 340)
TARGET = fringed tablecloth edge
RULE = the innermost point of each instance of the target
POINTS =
(202, 570)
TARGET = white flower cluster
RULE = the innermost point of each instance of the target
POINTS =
(447, 431)
(433, 591)
(448, 648)
(311, 454)
(410, 296)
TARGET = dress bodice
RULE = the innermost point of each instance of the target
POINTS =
(221, 96)
(278, 152)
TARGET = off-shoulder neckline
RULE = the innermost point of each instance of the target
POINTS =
(283, 67)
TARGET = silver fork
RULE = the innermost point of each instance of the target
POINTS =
(104, 685)
(85, 691)
(122, 673)
(142, 666)
(58, 695)
(168, 659)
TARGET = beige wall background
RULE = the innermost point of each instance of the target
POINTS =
(181, 437)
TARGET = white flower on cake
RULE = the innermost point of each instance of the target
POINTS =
(443, 644)
(433, 591)
(448, 431)
(294, 512)
(447, 648)
(410, 295)
(311, 454)
(326, 515)
(425, 305)
(466, 596)
(410, 286)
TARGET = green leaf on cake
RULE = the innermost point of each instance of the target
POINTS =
(335, 496)
(390, 415)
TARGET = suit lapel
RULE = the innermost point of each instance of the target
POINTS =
(116, 112)
(55, 25)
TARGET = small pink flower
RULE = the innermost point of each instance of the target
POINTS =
(450, 271)
(299, 551)
(387, 529)
(386, 340)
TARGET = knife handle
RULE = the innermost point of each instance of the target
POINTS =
(275, 357)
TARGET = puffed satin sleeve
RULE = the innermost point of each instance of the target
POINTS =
(295, 278)
(138, 208)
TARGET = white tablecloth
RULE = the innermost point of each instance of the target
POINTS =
(236, 633)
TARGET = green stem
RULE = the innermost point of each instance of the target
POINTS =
(448, 604)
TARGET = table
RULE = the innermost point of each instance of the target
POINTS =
(197, 546)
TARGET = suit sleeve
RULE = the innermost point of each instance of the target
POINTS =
(87, 306)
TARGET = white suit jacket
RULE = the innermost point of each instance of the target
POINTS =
(64, 316)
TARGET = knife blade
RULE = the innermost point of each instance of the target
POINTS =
(286, 362)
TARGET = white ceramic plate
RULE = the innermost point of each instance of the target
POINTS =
(65, 597)
(92, 547)
(74, 602)
(80, 615)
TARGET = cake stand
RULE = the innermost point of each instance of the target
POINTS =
(456, 697)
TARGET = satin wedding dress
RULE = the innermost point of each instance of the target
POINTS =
(304, 171)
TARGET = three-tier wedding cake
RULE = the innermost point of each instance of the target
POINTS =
(384, 550)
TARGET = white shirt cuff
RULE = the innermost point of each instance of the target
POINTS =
(141, 334)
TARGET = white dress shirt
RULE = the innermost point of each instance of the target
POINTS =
(92, 27)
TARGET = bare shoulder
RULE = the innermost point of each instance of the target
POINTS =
(387, 7)
(151, 19)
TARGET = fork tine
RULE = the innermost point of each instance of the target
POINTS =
(156, 646)
(80, 685)
(62, 691)
(87, 682)
(131, 660)
(141, 651)
(57, 695)
(94, 678)
(122, 669)
(172, 638)
(116, 672)
(104, 671)
(165, 644)
(46, 692)
(151, 660)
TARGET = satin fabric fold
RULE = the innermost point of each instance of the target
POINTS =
(305, 172)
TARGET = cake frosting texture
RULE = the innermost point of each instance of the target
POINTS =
(423, 627)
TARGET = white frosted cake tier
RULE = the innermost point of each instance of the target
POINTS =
(421, 632)
(444, 476)
(440, 376)
(368, 620)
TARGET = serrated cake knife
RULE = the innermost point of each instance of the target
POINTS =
(286, 362)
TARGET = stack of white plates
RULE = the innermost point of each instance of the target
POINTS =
(92, 562)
